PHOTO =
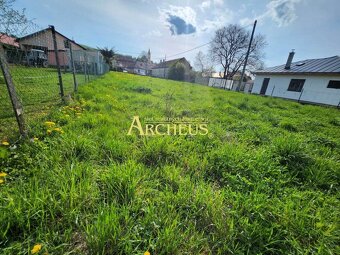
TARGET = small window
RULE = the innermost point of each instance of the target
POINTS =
(333, 84)
(296, 85)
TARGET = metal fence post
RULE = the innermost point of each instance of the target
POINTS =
(300, 96)
(88, 73)
(85, 67)
(272, 91)
(73, 68)
(17, 106)
(57, 62)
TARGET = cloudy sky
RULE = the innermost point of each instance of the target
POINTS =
(311, 27)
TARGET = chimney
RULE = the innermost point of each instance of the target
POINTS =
(290, 59)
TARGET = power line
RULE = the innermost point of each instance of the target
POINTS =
(197, 47)
(183, 52)
(200, 46)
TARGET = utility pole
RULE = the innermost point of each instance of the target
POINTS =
(246, 60)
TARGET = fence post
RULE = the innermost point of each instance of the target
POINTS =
(300, 95)
(85, 67)
(17, 106)
(88, 72)
(57, 62)
(73, 68)
(272, 91)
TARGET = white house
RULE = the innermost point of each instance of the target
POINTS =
(312, 80)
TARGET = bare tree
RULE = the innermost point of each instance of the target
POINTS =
(229, 47)
(203, 64)
(12, 22)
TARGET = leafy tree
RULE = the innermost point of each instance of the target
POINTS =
(229, 47)
(108, 55)
(143, 57)
(177, 72)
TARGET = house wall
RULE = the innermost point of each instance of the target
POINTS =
(140, 71)
(44, 41)
(314, 90)
(159, 72)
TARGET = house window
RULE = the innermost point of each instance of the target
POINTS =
(333, 84)
(296, 85)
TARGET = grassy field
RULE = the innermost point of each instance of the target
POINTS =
(37, 89)
(265, 180)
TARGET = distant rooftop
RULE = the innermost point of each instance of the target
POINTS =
(89, 48)
(9, 40)
(169, 63)
(330, 65)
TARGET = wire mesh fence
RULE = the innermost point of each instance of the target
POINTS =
(45, 66)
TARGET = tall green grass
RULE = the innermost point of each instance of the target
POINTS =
(265, 180)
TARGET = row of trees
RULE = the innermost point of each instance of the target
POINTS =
(228, 49)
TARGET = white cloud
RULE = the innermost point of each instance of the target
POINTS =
(205, 5)
(186, 13)
(280, 11)
(153, 33)
(179, 20)
(210, 3)
(218, 22)
(218, 2)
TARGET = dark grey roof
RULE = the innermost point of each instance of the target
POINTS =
(329, 65)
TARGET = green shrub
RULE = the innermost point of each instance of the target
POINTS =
(177, 72)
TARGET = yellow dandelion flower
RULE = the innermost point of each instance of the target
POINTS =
(147, 253)
(57, 129)
(1, 181)
(36, 248)
(3, 174)
(5, 143)
(49, 131)
(49, 123)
